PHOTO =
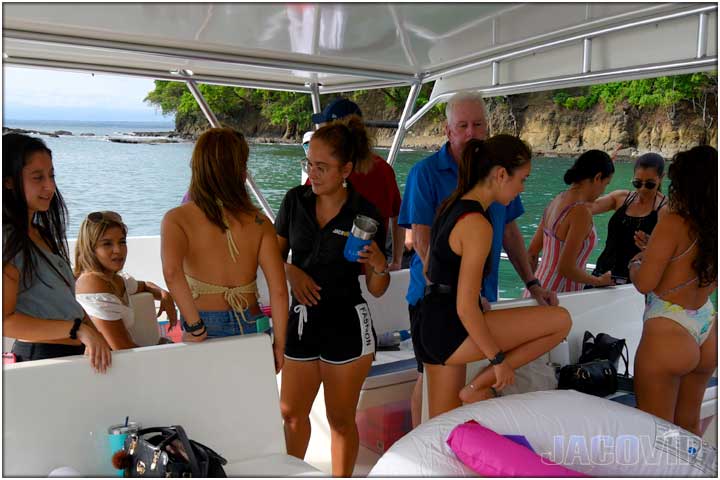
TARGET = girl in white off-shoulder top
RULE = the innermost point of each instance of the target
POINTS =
(102, 289)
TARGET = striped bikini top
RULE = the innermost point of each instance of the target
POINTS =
(548, 273)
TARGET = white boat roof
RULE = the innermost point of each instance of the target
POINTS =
(499, 48)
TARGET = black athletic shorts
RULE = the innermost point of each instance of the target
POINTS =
(414, 311)
(441, 331)
(336, 330)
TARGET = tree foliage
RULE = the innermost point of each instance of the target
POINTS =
(645, 93)
(280, 108)
(396, 97)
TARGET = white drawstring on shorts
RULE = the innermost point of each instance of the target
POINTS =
(302, 310)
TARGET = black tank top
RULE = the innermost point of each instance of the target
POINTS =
(444, 264)
(620, 244)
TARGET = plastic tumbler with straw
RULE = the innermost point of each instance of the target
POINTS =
(116, 438)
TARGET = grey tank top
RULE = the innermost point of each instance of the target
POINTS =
(54, 299)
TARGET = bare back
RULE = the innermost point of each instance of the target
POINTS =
(208, 256)
(679, 269)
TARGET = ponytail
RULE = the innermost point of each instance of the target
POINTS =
(479, 157)
(588, 165)
(349, 141)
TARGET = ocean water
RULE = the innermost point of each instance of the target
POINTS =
(142, 182)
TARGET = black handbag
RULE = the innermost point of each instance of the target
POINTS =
(170, 453)
(605, 347)
(596, 370)
(598, 377)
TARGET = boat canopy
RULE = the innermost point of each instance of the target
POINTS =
(498, 47)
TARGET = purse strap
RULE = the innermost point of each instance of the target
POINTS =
(194, 465)
(625, 355)
(171, 433)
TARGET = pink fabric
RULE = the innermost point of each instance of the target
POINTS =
(547, 272)
(492, 455)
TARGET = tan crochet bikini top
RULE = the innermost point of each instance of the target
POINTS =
(234, 296)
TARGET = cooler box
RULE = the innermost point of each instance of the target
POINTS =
(379, 427)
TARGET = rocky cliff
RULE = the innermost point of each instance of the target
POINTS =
(549, 128)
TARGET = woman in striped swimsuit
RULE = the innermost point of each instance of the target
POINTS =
(566, 234)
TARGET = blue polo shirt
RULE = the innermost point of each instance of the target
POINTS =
(429, 183)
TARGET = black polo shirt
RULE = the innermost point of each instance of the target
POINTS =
(319, 251)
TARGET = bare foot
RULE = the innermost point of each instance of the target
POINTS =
(469, 394)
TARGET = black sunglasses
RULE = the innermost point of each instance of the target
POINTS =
(98, 217)
(649, 184)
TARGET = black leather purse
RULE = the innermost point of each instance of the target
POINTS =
(170, 453)
(596, 372)
(603, 346)
(598, 377)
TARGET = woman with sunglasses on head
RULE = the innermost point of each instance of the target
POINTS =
(677, 272)
(566, 234)
(39, 306)
(212, 246)
(636, 214)
(330, 340)
(103, 289)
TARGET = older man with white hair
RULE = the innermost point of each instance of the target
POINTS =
(429, 183)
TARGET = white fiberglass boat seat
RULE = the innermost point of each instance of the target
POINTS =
(223, 392)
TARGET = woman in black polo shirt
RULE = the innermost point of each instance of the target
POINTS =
(330, 337)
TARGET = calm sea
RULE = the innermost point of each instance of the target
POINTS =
(142, 182)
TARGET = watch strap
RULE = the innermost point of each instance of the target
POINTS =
(193, 328)
(499, 358)
(76, 326)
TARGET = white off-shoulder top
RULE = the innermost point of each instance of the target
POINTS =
(107, 306)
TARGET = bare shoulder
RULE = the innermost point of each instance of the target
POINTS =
(181, 215)
(580, 213)
(174, 214)
(671, 219)
(11, 272)
(262, 221)
(619, 196)
(474, 223)
(91, 283)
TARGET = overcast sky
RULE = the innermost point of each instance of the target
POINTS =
(41, 94)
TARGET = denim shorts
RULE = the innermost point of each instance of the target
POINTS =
(224, 323)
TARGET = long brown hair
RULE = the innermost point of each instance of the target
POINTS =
(693, 188)
(88, 237)
(219, 169)
(480, 156)
(349, 141)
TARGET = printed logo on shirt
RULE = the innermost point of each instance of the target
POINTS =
(342, 233)
(365, 328)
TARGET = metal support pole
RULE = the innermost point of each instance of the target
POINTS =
(702, 35)
(315, 97)
(587, 52)
(407, 111)
(206, 110)
(210, 115)
(426, 108)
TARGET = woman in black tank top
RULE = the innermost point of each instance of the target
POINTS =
(632, 223)
(452, 329)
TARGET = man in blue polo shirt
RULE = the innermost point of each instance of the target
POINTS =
(429, 183)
